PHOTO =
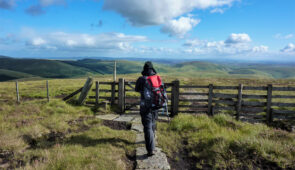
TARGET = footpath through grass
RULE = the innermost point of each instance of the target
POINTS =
(201, 142)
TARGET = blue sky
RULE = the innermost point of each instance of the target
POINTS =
(196, 29)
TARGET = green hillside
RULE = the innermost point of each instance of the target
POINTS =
(10, 75)
(12, 68)
(43, 68)
(107, 67)
(201, 66)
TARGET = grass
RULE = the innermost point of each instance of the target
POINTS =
(221, 142)
(56, 135)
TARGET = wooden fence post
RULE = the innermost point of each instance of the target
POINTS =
(210, 98)
(175, 98)
(121, 95)
(96, 92)
(239, 102)
(85, 90)
(268, 106)
(47, 87)
(17, 92)
(113, 92)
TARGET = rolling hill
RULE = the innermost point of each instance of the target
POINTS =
(43, 68)
(12, 68)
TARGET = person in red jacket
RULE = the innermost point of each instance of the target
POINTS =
(147, 111)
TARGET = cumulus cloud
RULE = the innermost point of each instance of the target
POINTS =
(155, 12)
(194, 42)
(180, 27)
(289, 48)
(235, 43)
(238, 39)
(7, 4)
(72, 42)
(260, 49)
(280, 36)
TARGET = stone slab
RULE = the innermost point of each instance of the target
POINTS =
(157, 161)
(137, 127)
(125, 118)
(108, 116)
(137, 119)
(139, 138)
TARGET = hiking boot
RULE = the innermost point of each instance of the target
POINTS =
(150, 154)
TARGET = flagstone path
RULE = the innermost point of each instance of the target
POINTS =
(156, 162)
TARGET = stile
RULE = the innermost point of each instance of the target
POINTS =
(239, 103)
(268, 104)
(210, 98)
(72, 94)
(85, 90)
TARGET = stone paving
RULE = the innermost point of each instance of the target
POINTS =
(156, 162)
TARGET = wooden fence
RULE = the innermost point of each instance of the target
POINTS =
(248, 102)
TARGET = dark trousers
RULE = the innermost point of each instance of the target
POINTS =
(148, 119)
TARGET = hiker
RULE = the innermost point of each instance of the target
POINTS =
(153, 97)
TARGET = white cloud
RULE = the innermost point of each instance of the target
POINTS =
(217, 10)
(238, 38)
(155, 12)
(194, 42)
(82, 42)
(280, 36)
(234, 44)
(260, 49)
(38, 41)
(290, 48)
(180, 27)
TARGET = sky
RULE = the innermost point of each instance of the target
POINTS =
(249, 30)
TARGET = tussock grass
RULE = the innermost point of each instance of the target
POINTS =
(222, 142)
(57, 135)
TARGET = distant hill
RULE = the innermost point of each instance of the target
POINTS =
(11, 75)
(107, 67)
(12, 68)
(201, 66)
(2, 56)
(43, 68)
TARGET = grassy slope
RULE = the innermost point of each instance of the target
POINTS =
(57, 135)
(43, 68)
(221, 142)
